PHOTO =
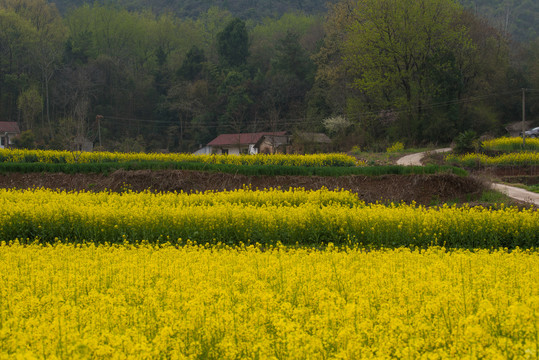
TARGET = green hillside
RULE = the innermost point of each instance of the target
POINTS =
(247, 9)
(519, 18)
(127, 76)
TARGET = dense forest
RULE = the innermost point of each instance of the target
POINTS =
(518, 18)
(244, 9)
(135, 75)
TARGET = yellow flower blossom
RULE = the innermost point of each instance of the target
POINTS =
(509, 159)
(510, 144)
(70, 157)
(140, 301)
(266, 216)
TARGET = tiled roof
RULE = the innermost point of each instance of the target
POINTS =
(241, 139)
(9, 126)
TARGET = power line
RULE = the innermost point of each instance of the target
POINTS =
(213, 125)
(138, 120)
(307, 121)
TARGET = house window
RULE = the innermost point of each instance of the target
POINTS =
(3, 141)
(224, 151)
(245, 151)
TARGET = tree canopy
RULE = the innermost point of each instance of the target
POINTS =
(402, 56)
(146, 76)
(233, 44)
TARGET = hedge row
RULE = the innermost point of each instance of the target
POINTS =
(249, 170)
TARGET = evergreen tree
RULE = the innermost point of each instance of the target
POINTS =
(233, 44)
(192, 64)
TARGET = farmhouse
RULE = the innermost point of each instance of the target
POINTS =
(236, 144)
(309, 143)
(267, 143)
(271, 144)
(8, 130)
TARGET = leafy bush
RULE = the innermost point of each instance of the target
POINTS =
(25, 140)
(466, 142)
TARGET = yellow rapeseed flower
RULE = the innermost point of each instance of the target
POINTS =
(268, 216)
(70, 157)
(145, 301)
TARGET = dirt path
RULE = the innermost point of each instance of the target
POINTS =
(511, 191)
(415, 159)
(517, 193)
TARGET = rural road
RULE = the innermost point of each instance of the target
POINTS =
(511, 191)
(517, 193)
(415, 159)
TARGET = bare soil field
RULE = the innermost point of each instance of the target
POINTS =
(423, 189)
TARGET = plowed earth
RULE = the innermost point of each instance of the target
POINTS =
(423, 189)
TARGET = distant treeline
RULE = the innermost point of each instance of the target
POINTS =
(518, 18)
(135, 76)
(244, 9)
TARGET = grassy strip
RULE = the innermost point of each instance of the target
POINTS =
(249, 170)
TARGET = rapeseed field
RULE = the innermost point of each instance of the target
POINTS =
(128, 301)
(525, 158)
(511, 144)
(265, 216)
(71, 157)
(263, 274)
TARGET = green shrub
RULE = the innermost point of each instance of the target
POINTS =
(466, 142)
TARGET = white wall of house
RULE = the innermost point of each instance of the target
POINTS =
(6, 140)
(230, 149)
(206, 150)
(233, 150)
(236, 150)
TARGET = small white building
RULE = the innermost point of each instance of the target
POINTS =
(8, 131)
(236, 144)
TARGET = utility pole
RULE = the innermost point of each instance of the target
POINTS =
(98, 119)
(523, 118)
